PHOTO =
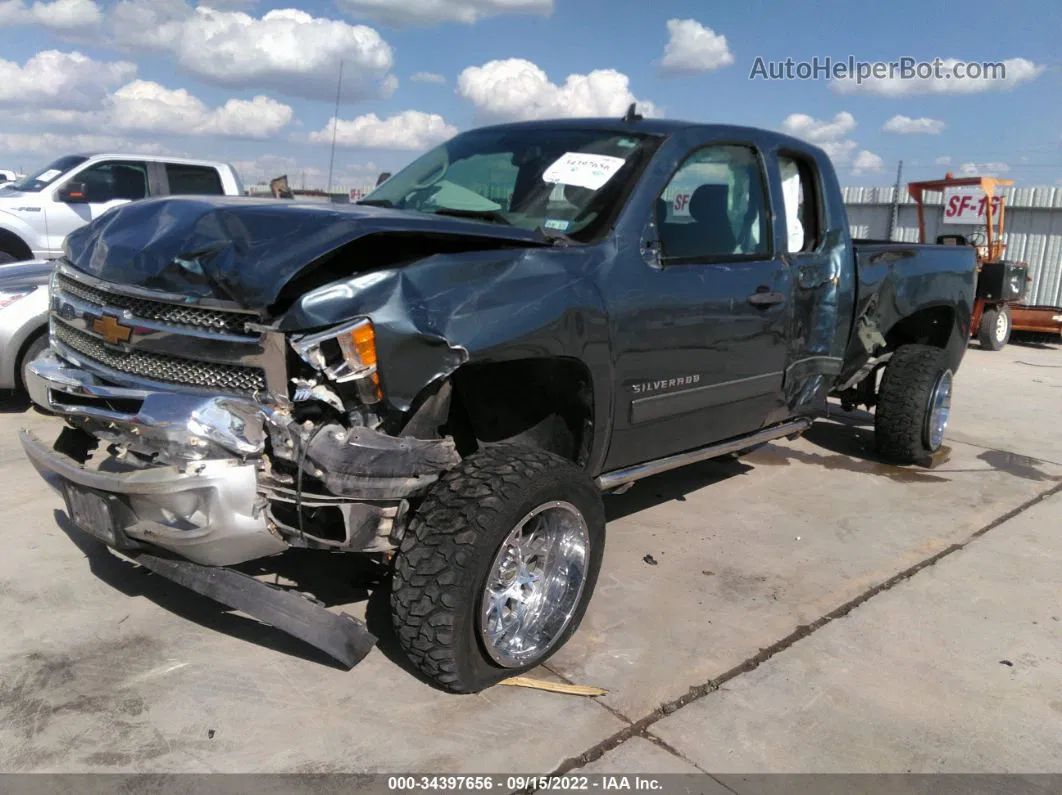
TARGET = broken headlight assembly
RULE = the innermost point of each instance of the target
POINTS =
(345, 354)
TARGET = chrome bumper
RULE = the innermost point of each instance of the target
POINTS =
(207, 510)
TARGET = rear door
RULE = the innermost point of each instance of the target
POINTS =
(820, 313)
(182, 179)
(700, 343)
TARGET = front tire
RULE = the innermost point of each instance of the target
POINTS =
(497, 566)
(995, 329)
(914, 404)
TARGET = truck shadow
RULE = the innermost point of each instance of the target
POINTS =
(674, 485)
(132, 580)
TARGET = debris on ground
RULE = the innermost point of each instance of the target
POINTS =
(1007, 663)
(650, 560)
(707, 573)
(210, 734)
(554, 687)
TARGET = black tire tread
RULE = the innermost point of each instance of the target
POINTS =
(986, 333)
(902, 401)
(437, 553)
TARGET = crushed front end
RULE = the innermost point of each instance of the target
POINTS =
(198, 435)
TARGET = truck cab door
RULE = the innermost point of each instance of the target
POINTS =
(820, 313)
(87, 194)
(699, 332)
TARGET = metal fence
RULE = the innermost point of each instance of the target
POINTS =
(1033, 232)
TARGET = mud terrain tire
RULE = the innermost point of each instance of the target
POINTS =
(451, 548)
(913, 378)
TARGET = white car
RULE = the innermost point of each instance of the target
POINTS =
(38, 211)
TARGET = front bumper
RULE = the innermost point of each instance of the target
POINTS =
(208, 512)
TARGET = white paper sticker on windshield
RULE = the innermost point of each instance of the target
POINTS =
(49, 175)
(583, 170)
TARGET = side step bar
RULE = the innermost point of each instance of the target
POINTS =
(620, 477)
(340, 636)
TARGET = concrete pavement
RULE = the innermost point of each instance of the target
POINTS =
(107, 668)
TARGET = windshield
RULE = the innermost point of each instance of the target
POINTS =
(39, 180)
(564, 181)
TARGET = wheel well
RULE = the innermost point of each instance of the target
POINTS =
(30, 340)
(932, 326)
(544, 403)
(14, 245)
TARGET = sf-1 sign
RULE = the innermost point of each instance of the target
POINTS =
(968, 206)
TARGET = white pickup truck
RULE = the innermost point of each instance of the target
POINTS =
(40, 210)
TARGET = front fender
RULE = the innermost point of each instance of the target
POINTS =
(436, 314)
(18, 324)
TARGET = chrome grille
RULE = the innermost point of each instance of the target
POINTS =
(165, 369)
(160, 311)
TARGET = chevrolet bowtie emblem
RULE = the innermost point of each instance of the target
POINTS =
(111, 330)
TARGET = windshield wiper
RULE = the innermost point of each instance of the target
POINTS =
(483, 215)
(376, 202)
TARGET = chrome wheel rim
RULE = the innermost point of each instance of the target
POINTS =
(939, 411)
(535, 584)
(1001, 326)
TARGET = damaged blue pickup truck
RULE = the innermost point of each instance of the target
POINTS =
(451, 373)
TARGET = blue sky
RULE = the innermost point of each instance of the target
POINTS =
(253, 83)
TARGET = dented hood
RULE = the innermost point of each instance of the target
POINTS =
(244, 249)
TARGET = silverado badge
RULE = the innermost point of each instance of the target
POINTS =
(111, 330)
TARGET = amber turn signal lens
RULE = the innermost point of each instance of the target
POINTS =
(364, 339)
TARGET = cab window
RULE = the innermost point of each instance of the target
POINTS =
(114, 179)
(713, 207)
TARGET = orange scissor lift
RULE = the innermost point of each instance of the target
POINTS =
(1001, 283)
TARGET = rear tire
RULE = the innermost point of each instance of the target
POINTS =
(914, 403)
(995, 329)
(450, 621)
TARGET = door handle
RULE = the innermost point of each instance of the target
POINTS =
(763, 297)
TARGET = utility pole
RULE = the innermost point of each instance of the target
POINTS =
(894, 214)
(335, 125)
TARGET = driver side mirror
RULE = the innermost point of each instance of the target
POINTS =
(651, 246)
(72, 193)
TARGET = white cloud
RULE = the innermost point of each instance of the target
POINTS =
(35, 94)
(427, 77)
(831, 136)
(60, 80)
(518, 89)
(47, 145)
(286, 50)
(943, 160)
(301, 174)
(429, 12)
(1015, 71)
(867, 162)
(983, 169)
(60, 15)
(800, 125)
(147, 107)
(905, 125)
(266, 167)
(840, 152)
(692, 48)
(410, 129)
